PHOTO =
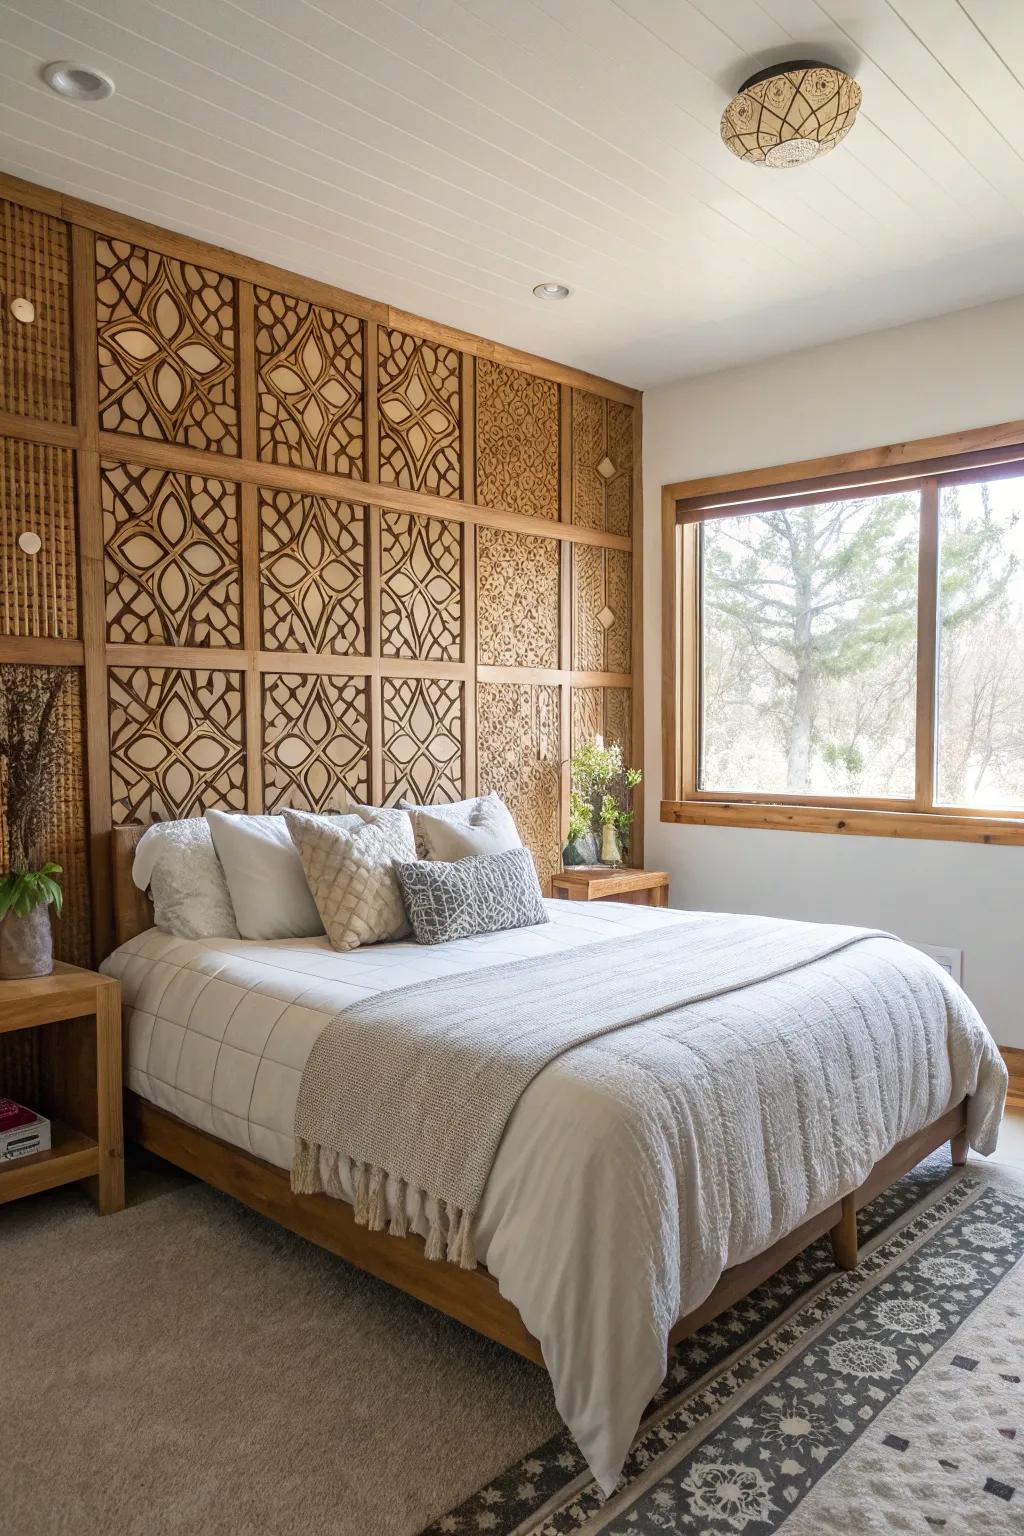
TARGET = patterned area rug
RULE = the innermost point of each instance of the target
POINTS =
(826, 1404)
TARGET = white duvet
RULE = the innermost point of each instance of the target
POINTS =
(219, 1033)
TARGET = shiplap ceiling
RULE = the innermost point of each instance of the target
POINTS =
(446, 155)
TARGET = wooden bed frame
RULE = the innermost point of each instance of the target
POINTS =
(470, 1296)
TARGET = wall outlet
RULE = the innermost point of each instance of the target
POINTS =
(951, 960)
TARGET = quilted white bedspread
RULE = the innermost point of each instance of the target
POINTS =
(575, 1223)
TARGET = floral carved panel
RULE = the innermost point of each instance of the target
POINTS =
(516, 440)
(420, 587)
(418, 397)
(604, 713)
(310, 385)
(519, 748)
(312, 574)
(316, 749)
(176, 743)
(517, 599)
(423, 725)
(602, 463)
(602, 609)
(170, 557)
(166, 348)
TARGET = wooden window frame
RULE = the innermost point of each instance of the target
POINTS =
(958, 458)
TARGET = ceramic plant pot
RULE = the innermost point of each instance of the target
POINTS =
(26, 944)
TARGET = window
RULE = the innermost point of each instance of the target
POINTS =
(850, 656)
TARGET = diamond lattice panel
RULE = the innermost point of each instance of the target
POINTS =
(516, 441)
(312, 574)
(602, 609)
(170, 558)
(423, 720)
(166, 348)
(602, 463)
(421, 593)
(418, 396)
(517, 599)
(316, 750)
(310, 388)
(175, 743)
(519, 746)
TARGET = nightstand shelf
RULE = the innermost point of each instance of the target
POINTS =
(599, 882)
(76, 1015)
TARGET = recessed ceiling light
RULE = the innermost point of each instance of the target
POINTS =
(78, 83)
(552, 291)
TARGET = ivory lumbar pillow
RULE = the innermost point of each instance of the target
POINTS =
(264, 874)
(489, 828)
(177, 863)
(351, 873)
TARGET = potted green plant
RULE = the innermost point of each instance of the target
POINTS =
(30, 738)
(600, 795)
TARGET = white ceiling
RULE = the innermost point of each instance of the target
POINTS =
(446, 155)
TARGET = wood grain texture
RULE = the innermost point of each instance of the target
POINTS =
(423, 726)
(35, 357)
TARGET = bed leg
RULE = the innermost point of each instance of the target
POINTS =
(844, 1234)
(958, 1146)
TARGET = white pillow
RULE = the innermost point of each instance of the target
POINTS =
(264, 874)
(462, 812)
(351, 872)
(177, 863)
(488, 829)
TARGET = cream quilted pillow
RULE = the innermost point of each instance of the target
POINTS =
(350, 871)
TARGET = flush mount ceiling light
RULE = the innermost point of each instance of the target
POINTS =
(77, 83)
(791, 113)
(552, 291)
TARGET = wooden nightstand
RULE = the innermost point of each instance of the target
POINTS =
(78, 1016)
(596, 882)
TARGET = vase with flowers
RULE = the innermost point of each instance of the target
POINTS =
(30, 738)
(600, 796)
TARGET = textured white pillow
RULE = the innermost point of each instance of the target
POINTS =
(489, 829)
(351, 872)
(462, 812)
(177, 863)
(264, 874)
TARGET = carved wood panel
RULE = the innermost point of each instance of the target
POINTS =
(418, 398)
(65, 835)
(35, 355)
(316, 741)
(170, 559)
(519, 747)
(166, 348)
(604, 712)
(516, 440)
(602, 609)
(423, 730)
(420, 587)
(310, 388)
(602, 463)
(176, 742)
(313, 574)
(517, 579)
(38, 586)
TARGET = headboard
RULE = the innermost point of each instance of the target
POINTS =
(133, 910)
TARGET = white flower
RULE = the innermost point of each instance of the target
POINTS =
(910, 1317)
(863, 1358)
(988, 1234)
(788, 1419)
(728, 1491)
(948, 1269)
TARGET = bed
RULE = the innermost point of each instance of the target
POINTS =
(580, 1269)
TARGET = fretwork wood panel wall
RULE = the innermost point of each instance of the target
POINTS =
(299, 546)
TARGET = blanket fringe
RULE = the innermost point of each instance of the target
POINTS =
(449, 1227)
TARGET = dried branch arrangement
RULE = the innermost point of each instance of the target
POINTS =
(30, 743)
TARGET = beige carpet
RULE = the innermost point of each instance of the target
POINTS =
(188, 1367)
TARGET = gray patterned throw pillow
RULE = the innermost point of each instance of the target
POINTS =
(475, 895)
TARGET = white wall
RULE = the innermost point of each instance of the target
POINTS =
(960, 370)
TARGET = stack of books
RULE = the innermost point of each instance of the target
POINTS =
(22, 1131)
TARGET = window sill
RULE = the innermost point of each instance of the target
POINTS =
(950, 826)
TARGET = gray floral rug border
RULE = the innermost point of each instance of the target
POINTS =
(743, 1476)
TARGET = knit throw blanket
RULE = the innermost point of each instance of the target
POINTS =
(417, 1085)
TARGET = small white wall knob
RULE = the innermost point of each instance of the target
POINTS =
(29, 543)
(23, 310)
